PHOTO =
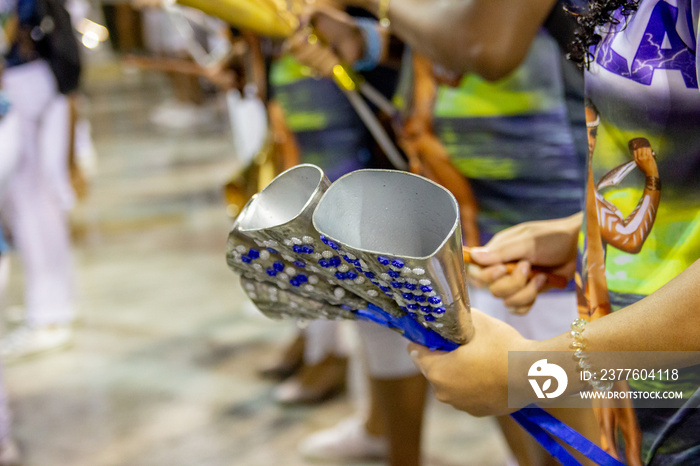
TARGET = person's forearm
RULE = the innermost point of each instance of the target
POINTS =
(666, 323)
(666, 320)
(424, 90)
(487, 37)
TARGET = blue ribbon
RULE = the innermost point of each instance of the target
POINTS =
(540, 424)
(544, 439)
(409, 327)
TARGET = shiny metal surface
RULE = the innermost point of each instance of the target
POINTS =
(402, 232)
(375, 236)
(276, 303)
(273, 240)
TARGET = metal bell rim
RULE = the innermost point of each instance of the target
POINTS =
(238, 223)
(423, 179)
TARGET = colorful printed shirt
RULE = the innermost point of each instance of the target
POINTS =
(327, 128)
(514, 141)
(642, 223)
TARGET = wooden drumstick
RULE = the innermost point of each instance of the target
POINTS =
(555, 281)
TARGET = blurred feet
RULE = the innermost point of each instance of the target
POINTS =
(347, 441)
(314, 384)
(288, 363)
(30, 340)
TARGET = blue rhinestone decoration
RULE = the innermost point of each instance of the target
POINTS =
(414, 294)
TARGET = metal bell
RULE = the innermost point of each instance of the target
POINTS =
(402, 231)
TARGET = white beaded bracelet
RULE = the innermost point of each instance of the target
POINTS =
(577, 328)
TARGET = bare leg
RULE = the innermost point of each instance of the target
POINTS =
(582, 420)
(401, 404)
(526, 451)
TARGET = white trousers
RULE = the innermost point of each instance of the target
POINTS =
(323, 338)
(9, 149)
(385, 352)
(551, 315)
(39, 193)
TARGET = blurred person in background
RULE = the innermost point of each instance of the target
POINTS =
(636, 266)
(313, 122)
(329, 134)
(42, 66)
(520, 142)
(10, 146)
(175, 34)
